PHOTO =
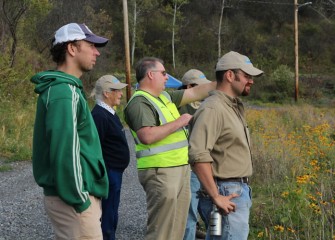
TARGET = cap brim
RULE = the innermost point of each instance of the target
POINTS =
(252, 71)
(98, 41)
(202, 81)
(119, 85)
(198, 81)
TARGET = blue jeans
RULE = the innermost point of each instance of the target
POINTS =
(235, 226)
(192, 217)
(110, 205)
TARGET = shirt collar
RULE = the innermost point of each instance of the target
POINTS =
(231, 101)
(105, 106)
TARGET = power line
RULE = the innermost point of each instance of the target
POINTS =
(265, 2)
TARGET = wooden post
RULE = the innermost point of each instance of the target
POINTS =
(126, 47)
(296, 50)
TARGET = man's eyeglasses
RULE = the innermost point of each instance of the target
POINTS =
(247, 76)
(164, 73)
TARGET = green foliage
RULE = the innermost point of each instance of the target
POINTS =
(17, 112)
(278, 87)
(263, 32)
(38, 10)
(283, 79)
(16, 122)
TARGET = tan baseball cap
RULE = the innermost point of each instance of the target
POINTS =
(234, 60)
(194, 76)
(108, 82)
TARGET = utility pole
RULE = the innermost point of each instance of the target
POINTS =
(296, 45)
(126, 47)
(296, 50)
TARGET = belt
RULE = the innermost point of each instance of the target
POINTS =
(241, 180)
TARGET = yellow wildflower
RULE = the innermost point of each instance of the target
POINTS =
(279, 228)
(284, 194)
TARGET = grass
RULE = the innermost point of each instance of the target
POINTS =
(16, 129)
(294, 195)
(5, 167)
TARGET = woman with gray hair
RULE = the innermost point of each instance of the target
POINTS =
(108, 93)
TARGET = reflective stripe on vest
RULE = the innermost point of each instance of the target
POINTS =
(164, 148)
(170, 151)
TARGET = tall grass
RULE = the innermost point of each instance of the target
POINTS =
(293, 182)
(16, 122)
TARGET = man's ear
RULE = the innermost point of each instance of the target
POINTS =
(105, 94)
(150, 74)
(230, 75)
(71, 48)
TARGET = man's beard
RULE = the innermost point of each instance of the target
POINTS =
(245, 92)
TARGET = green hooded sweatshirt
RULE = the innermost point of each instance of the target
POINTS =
(67, 156)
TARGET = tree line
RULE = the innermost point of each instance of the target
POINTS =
(184, 33)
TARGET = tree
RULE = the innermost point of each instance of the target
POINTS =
(219, 34)
(140, 8)
(12, 12)
(33, 25)
(176, 6)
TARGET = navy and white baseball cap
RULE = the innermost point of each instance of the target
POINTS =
(74, 31)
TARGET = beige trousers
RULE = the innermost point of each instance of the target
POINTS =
(68, 224)
(168, 199)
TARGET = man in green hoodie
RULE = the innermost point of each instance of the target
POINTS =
(67, 156)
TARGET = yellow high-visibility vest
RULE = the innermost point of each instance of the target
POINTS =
(169, 152)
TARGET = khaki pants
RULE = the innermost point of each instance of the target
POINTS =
(168, 199)
(68, 224)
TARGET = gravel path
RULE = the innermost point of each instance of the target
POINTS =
(22, 213)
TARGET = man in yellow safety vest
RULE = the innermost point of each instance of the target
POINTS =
(162, 147)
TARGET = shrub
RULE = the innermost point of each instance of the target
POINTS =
(281, 84)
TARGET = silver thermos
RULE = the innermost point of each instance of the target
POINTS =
(215, 221)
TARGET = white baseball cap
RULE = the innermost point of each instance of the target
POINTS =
(75, 31)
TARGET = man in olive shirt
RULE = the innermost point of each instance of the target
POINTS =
(162, 148)
(219, 150)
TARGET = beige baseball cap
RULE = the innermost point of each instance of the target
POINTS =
(108, 82)
(234, 60)
(194, 76)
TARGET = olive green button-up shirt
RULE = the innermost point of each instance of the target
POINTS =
(219, 135)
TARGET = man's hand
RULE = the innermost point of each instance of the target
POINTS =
(184, 119)
(224, 204)
(149, 135)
